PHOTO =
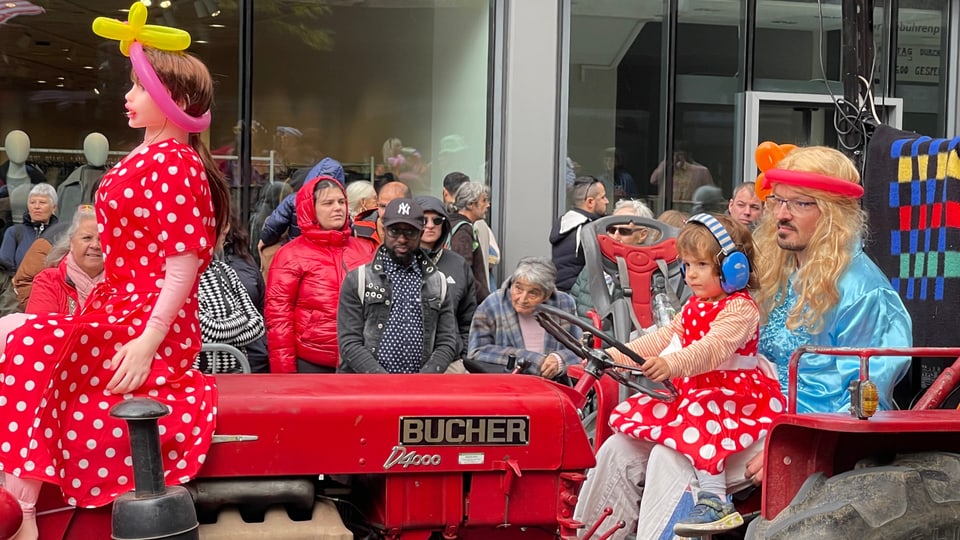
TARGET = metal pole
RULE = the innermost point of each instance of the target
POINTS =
(858, 55)
(850, 67)
(670, 98)
(245, 72)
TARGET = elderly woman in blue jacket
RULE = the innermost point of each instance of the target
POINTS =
(504, 323)
(41, 206)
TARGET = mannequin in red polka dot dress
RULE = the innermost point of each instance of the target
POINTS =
(726, 401)
(158, 212)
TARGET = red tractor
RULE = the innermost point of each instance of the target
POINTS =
(364, 456)
(502, 456)
(868, 474)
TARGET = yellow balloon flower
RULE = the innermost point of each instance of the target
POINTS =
(151, 35)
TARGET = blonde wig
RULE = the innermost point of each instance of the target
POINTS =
(841, 225)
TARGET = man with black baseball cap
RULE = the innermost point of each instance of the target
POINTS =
(395, 315)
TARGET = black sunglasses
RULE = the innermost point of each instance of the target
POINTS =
(436, 220)
(410, 234)
(621, 230)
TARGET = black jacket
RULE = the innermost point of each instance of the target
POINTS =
(463, 242)
(250, 276)
(567, 252)
(361, 321)
(461, 285)
(461, 289)
(18, 239)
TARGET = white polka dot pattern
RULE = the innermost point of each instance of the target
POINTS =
(401, 344)
(55, 380)
(717, 414)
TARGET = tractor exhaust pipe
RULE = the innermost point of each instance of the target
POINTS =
(152, 510)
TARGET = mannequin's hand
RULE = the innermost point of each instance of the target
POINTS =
(132, 362)
(656, 369)
(754, 471)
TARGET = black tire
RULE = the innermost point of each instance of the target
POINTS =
(915, 497)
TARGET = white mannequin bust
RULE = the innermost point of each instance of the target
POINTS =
(17, 145)
(95, 148)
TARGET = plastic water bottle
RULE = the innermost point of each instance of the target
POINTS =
(663, 310)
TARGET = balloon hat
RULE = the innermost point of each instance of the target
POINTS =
(133, 35)
(769, 154)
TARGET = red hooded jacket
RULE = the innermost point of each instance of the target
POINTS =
(303, 287)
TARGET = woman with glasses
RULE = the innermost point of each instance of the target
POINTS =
(305, 277)
(76, 266)
(460, 281)
(35, 260)
(504, 323)
(627, 233)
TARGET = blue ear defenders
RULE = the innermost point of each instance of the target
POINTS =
(734, 266)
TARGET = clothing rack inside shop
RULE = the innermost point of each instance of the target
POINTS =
(354, 170)
(57, 163)
(365, 169)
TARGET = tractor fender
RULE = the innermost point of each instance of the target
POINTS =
(916, 496)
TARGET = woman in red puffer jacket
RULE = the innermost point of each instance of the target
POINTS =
(303, 284)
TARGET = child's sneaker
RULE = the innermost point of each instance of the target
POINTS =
(709, 515)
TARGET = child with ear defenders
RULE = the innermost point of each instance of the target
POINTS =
(726, 402)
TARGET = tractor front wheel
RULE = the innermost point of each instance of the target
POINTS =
(915, 497)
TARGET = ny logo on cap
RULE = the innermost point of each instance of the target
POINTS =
(403, 209)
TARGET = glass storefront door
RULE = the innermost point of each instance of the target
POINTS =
(801, 119)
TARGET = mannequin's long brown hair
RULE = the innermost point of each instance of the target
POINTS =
(190, 83)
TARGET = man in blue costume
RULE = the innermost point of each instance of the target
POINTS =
(817, 287)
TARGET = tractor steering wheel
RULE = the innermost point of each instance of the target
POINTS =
(547, 317)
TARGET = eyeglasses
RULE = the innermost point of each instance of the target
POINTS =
(410, 234)
(436, 220)
(793, 206)
(622, 231)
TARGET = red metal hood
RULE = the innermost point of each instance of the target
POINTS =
(375, 424)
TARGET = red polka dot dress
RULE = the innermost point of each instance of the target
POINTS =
(54, 409)
(722, 409)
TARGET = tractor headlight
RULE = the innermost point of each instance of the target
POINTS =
(864, 399)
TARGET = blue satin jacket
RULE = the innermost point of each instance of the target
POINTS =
(869, 314)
